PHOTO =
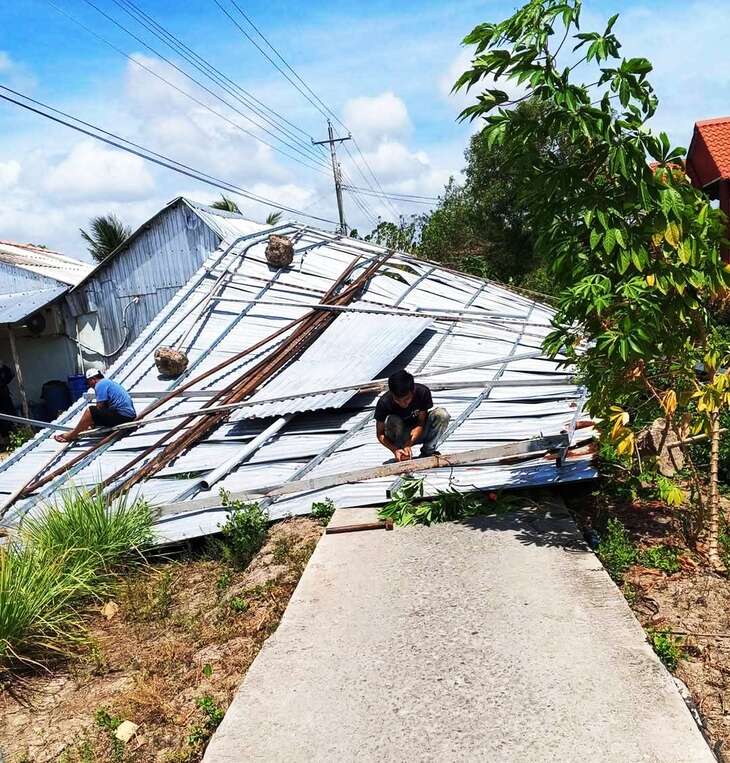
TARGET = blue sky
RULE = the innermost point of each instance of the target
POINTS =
(385, 68)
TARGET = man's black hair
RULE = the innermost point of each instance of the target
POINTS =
(401, 383)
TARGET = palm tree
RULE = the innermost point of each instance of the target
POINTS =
(107, 233)
(273, 218)
(226, 204)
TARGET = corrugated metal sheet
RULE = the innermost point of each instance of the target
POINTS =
(45, 262)
(354, 348)
(17, 307)
(321, 443)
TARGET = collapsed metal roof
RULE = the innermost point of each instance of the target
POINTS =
(475, 343)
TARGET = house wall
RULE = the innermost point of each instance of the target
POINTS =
(44, 357)
(139, 281)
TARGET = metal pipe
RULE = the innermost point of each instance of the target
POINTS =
(386, 525)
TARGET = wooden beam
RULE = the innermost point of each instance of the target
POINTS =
(18, 373)
(535, 447)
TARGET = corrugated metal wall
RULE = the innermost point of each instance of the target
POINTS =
(153, 267)
(14, 280)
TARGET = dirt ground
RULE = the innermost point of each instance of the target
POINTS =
(694, 604)
(167, 653)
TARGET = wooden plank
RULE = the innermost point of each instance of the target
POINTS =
(537, 446)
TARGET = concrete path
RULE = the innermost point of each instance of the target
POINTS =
(497, 639)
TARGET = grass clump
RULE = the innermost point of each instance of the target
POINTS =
(83, 527)
(39, 606)
(243, 533)
(323, 510)
(664, 558)
(61, 560)
(668, 647)
(212, 716)
(616, 550)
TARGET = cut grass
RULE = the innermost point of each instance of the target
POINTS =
(61, 560)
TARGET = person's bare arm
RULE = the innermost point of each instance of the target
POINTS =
(417, 431)
(401, 454)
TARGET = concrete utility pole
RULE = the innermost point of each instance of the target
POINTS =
(336, 171)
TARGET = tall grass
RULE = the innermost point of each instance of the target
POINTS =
(62, 559)
(82, 527)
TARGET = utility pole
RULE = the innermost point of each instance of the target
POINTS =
(336, 171)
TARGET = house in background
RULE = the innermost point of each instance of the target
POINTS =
(35, 340)
(708, 162)
(113, 305)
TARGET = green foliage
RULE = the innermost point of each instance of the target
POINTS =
(667, 647)
(244, 531)
(19, 436)
(108, 232)
(408, 508)
(226, 204)
(63, 557)
(212, 716)
(105, 720)
(660, 557)
(634, 249)
(149, 599)
(273, 218)
(616, 550)
(83, 526)
(403, 236)
(239, 604)
(323, 510)
(40, 618)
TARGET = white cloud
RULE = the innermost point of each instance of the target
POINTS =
(377, 118)
(9, 174)
(91, 171)
(15, 75)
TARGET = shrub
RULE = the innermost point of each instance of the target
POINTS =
(323, 510)
(616, 550)
(662, 558)
(244, 532)
(19, 436)
(83, 526)
(667, 647)
(39, 595)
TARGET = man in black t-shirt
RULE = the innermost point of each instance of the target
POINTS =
(405, 416)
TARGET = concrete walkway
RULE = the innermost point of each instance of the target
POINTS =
(497, 639)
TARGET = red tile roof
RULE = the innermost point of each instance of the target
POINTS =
(708, 158)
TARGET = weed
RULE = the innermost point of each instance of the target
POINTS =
(630, 593)
(616, 550)
(283, 547)
(224, 580)
(207, 670)
(402, 508)
(149, 597)
(244, 531)
(19, 436)
(212, 716)
(105, 720)
(83, 525)
(667, 647)
(661, 557)
(39, 615)
(97, 658)
(323, 510)
(238, 604)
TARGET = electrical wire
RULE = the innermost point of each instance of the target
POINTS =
(221, 79)
(184, 92)
(150, 156)
(396, 195)
(389, 196)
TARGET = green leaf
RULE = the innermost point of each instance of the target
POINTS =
(595, 238)
(637, 66)
(609, 240)
(624, 260)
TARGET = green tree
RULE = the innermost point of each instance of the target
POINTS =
(481, 226)
(634, 250)
(402, 236)
(273, 218)
(107, 233)
(226, 204)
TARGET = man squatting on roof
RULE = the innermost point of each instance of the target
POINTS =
(113, 406)
(405, 417)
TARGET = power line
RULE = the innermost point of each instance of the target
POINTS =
(118, 142)
(396, 196)
(217, 76)
(387, 202)
(290, 68)
(184, 92)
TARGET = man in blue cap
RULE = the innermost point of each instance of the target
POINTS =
(113, 406)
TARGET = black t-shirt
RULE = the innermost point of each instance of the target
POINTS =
(421, 401)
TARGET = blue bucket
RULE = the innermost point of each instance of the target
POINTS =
(77, 385)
